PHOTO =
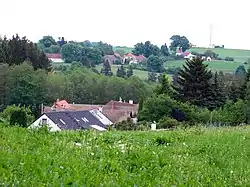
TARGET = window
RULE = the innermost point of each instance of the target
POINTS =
(44, 121)
(85, 119)
(62, 121)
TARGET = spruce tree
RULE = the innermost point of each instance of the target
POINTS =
(217, 97)
(164, 87)
(106, 70)
(121, 72)
(193, 82)
(243, 88)
(130, 71)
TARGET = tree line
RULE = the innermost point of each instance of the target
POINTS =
(197, 95)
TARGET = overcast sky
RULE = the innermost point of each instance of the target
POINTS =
(126, 22)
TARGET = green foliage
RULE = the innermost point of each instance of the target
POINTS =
(18, 117)
(155, 64)
(147, 49)
(126, 125)
(120, 51)
(193, 83)
(152, 76)
(130, 71)
(104, 48)
(106, 70)
(17, 50)
(47, 41)
(121, 72)
(164, 87)
(190, 157)
(166, 122)
(179, 41)
(55, 48)
(164, 50)
(7, 113)
(229, 58)
(70, 52)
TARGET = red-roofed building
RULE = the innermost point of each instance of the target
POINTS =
(55, 57)
(134, 59)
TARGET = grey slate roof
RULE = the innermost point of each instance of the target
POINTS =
(73, 120)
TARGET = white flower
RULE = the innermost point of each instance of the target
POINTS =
(231, 172)
(92, 154)
(78, 144)
(61, 167)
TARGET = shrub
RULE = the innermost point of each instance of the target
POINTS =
(167, 122)
(126, 125)
(229, 58)
(18, 117)
(6, 114)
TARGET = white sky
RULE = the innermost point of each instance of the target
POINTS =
(126, 22)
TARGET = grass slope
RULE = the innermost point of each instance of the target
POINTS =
(194, 157)
(239, 55)
(213, 65)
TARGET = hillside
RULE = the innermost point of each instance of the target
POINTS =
(191, 157)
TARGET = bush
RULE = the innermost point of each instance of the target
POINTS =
(6, 114)
(126, 125)
(167, 122)
(18, 117)
(229, 58)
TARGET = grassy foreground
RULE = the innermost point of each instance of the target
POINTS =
(193, 157)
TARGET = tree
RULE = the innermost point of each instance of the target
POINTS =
(243, 88)
(104, 48)
(193, 83)
(120, 51)
(47, 41)
(17, 50)
(25, 86)
(179, 41)
(70, 52)
(89, 57)
(61, 41)
(152, 76)
(106, 70)
(164, 50)
(241, 72)
(164, 87)
(155, 64)
(3, 79)
(130, 71)
(121, 72)
(217, 98)
(18, 117)
(87, 43)
(55, 48)
(146, 49)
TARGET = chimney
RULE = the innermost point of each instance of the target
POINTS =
(57, 100)
(113, 106)
(42, 109)
(131, 102)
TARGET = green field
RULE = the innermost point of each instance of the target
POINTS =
(192, 157)
(239, 55)
(213, 65)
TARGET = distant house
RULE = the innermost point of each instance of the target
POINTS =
(113, 59)
(115, 111)
(134, 59)
(55, 57)
(73, 120)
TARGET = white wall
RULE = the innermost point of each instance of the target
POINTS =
(51, 125)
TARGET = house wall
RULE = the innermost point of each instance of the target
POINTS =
(51, 125)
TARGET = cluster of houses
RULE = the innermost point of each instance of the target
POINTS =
(189, 55)
(64, 116)
(116, 58)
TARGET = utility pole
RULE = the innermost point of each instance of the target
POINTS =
(210, 35)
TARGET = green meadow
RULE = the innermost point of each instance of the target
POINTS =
(184, 157)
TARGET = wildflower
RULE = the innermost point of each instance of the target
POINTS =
(78, 144)
(231, 172)
(92, 154)
(61, 167)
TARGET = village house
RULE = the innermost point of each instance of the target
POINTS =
(57, 58)
(113, 59)
(73, 120)
(134, 59)
(115, 111)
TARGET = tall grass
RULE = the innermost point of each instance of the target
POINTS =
(193, 157)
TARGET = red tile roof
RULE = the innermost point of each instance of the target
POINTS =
(53, 55)
(140, 58)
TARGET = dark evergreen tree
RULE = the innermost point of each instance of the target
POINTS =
(164, 50)
(193, 82)
(152, 76)
(164, 87)
(106, 70)
(243, 88)
(130, 71)
(234, 92)
(121, 72)
(217, 97)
